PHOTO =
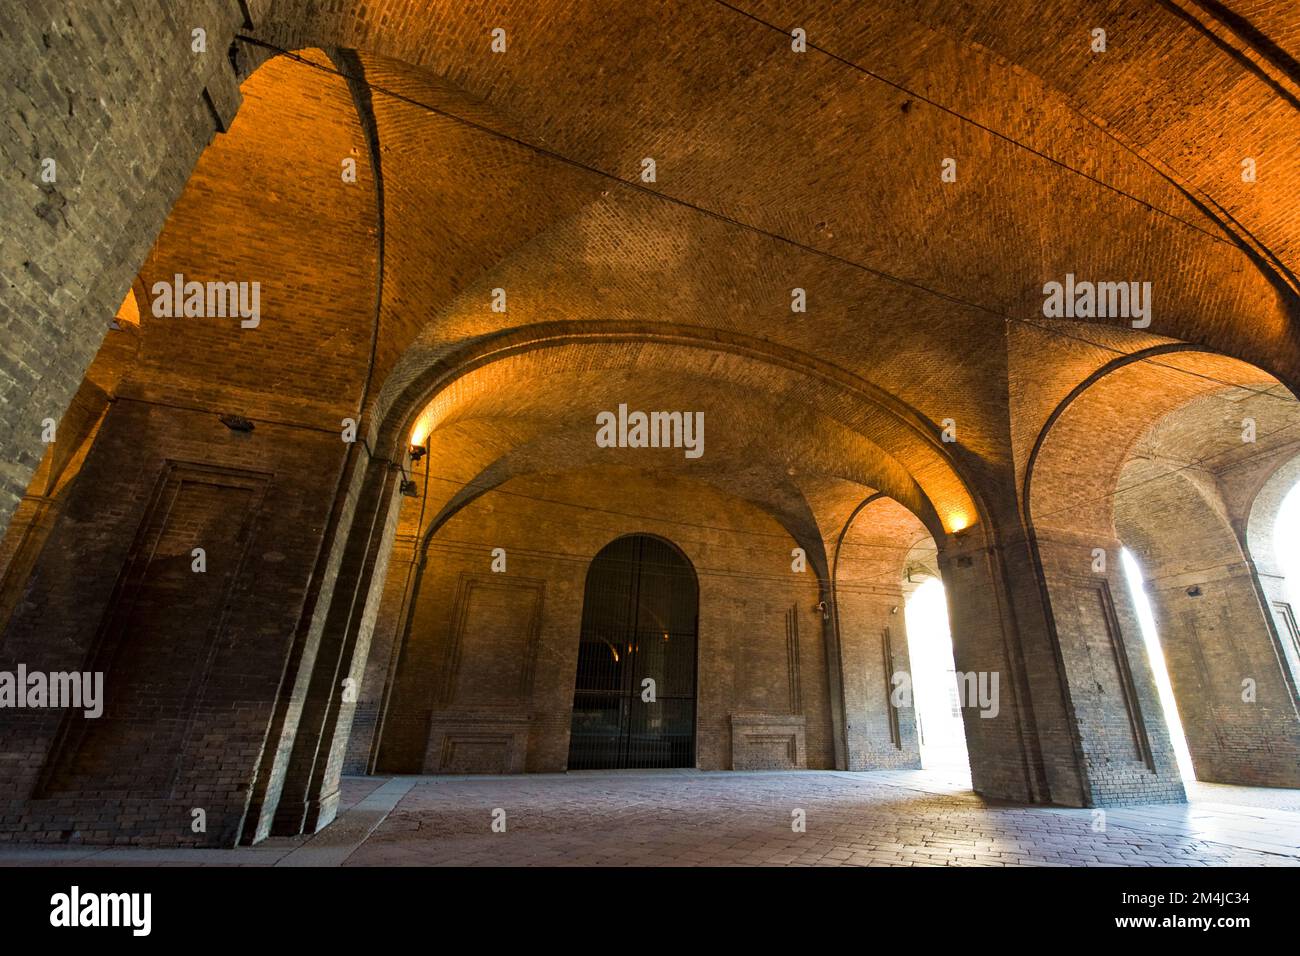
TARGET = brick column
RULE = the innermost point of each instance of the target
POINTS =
(1022, 749)
(385, 643)
(308, 799)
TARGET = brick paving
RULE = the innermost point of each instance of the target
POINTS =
(705, 819)
(689, 818)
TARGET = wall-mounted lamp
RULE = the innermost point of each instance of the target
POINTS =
(237, 423)
(417, 452)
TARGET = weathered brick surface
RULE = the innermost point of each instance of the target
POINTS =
(870, 576)
(223, 690)
(184, 372)
(1226, 622)
(1114, 705)
(115, 96)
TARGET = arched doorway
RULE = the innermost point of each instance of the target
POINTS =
(1177, 442)
(634, 697)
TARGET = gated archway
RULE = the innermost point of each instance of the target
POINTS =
(634, 696)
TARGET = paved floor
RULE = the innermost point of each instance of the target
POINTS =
(687, 818)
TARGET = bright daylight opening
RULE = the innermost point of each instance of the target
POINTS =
(1286, 538)
(934, 680)
(1287, 541)
(1159, 671)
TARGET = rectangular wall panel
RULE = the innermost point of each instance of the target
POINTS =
(156, 644)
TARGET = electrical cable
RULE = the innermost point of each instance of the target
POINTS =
(778, 237)
(977, 124)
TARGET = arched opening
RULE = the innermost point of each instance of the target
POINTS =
(634, 694)
(246, 442)
(789, 692)
(892, 610)
(1180, 491)
(474, 663)
(935, 685)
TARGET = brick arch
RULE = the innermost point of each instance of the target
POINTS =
(1072, 116)
(870, 559)
(785, 505)
(1231, 309)
(898, 552)
(1157, 527)
(730, 115)
(514, 408)
(895, 447)
(886, 537)
(243, 216)
(422, 56)
(1103, 417)
(663, 539)
(1150, 453)
(1262, 517)
(1245, 317)
(1222, 619)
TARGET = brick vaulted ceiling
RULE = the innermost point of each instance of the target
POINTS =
(778, 170)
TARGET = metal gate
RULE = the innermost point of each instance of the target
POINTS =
(639, 622)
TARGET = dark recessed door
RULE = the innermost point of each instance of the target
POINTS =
(639, 620)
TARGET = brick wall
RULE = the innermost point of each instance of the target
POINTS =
(233, 663)
(1115, 707)
(104, 597)
(747, 591)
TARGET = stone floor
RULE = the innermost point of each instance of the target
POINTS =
(688, 818)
